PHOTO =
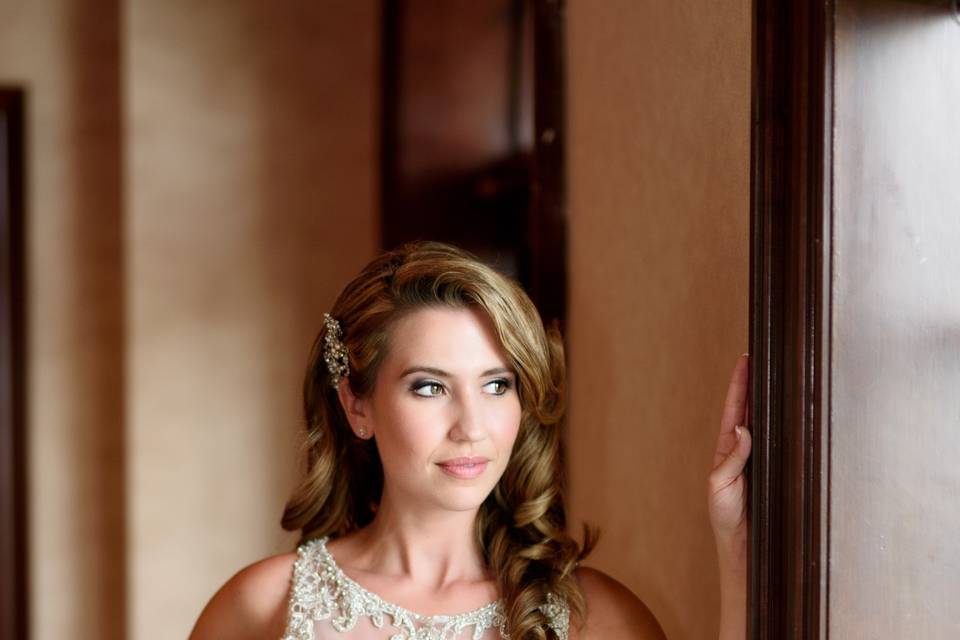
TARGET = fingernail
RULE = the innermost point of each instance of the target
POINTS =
(739, 431)
(745, 353)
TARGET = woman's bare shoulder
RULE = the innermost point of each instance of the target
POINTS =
(613, 611)
(251, 604)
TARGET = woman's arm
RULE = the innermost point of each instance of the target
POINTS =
(727, 489)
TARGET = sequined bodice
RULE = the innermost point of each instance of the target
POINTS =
(326, 603)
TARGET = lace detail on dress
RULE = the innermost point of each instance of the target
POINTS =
(321, 591)
(558, 616)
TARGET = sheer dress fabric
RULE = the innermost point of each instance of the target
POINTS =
(326, 604)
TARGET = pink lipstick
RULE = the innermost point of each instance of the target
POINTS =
(464, 468)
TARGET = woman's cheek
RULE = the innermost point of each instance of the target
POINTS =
(516, 415)
(417, 431)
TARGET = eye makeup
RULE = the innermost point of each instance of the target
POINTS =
(505, 384)
(417, 385)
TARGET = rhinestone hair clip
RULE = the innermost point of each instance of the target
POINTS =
(334, 351)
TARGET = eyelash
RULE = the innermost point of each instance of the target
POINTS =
(420, 384)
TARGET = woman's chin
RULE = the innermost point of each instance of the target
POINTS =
(462, 498)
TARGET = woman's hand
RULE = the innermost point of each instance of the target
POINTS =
(727, 488)
(727, 484)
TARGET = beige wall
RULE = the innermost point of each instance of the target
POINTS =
(67, 59)
(199, 187)
(252, 192)
(659, 116)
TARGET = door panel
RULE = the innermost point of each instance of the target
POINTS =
(855, 320)
(895, 436)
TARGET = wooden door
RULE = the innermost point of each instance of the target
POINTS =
(855, 324)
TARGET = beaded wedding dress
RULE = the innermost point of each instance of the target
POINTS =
(326, 604)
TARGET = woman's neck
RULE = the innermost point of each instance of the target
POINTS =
(432, 548)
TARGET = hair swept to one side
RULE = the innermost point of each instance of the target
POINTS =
(521, 524)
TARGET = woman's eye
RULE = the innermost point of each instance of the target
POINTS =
(428, 389)
(498, 387)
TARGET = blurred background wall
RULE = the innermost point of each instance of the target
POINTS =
(202, 178)
(658, 166)
(252, 191)
(68, 59)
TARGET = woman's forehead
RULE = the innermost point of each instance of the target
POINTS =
(446, 338)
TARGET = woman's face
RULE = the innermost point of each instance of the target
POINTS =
(445, 410)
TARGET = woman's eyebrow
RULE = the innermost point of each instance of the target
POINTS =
(443, 374)
(490, 372)
(431, 370)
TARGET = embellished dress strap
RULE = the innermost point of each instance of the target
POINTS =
(558, 616)
(303, 598)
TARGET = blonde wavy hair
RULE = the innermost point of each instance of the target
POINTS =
(521, 524)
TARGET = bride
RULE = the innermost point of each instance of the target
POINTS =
(432, 507)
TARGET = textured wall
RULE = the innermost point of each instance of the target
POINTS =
(252, 198)
(201, 181)
(659, 116)
(67, 59)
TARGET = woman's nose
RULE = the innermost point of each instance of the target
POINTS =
(467, 421)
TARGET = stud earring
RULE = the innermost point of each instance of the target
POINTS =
(362, 432)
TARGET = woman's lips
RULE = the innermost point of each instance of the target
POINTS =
(464, 467)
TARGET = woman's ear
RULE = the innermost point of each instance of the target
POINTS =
(356, 409)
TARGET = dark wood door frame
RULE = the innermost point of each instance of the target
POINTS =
(791, 216)
(521, 213)
(13, 511)
(548, 212)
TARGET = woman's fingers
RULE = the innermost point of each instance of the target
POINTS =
(734, 409)
(735, 405)
(727, 484)
(731, 466)
(727, 487)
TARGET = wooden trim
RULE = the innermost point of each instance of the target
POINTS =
(791, 215)
(13, 500)
(391, 51)
(548, 211)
